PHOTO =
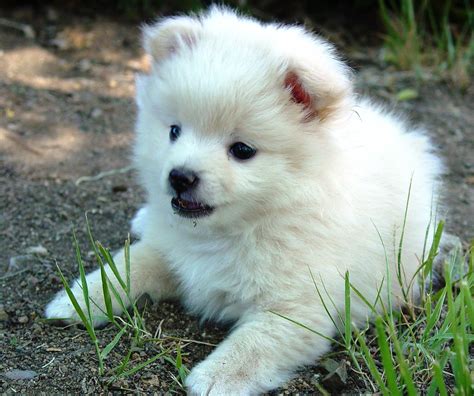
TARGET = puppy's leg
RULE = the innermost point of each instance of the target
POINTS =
(261, 353)
(148, 274)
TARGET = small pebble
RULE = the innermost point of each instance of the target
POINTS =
(39, 250)
(23, 319)
(96, 113)
(20, 374)
(3, 315)
(85, 65)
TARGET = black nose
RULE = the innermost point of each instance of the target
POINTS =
(182, 180)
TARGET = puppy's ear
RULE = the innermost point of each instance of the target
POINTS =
(299, 94)
(321, 94)
(169, 36)
(316, 79)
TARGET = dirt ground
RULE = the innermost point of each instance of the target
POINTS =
(67, 111)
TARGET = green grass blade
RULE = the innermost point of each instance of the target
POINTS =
(308, 328)
(347, 322)
(182, 370)
(404, 370)
(434, 316)
(439, 380)
(139, 317)
(82, 272)
(428, 269)
(178, 364)
(92, 241)
(142, 365)
(469, 302)
(427, 231)
(321, 390)
(110, 261)
(122, 366)
(388, 272)
(323, 302)
(400, 273)
(370, 362)
(106, 293)
(87, 324)
(77, 307)
(386, 358)
(366, 302)
(460, 367)
(331, 300)
(119, 299)
(461, 347)
(111, 345)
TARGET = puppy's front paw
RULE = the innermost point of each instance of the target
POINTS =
(61, 308)
(215, 378)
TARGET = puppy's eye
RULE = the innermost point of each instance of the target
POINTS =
(241, 151)
(175, 130)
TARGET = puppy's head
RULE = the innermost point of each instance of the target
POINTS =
(235, 118)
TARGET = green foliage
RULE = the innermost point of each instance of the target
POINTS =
(426, 345)
(410, 354)
(421, 33)
(423, 348)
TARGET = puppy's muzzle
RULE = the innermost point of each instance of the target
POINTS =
(182, 180)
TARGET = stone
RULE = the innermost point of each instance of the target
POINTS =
(96, 112)
(3, 315)
(20, 374)
(40, 250)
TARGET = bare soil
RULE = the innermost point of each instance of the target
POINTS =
(67, 111)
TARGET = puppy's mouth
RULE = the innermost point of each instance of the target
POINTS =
(190, 209)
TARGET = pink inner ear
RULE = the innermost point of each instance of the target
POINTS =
(186, 39)
(297, 90)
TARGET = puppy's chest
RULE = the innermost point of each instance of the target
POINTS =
(218, 279)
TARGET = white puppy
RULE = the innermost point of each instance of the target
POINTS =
(263, 170)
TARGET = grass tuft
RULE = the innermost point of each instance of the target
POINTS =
(424, 348)
(427, 352)
(130, 328)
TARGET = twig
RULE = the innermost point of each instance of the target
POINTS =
(13, 274)
(47, 364)
(185, 340)
(158, 330)
(18, 140)
(101, 175)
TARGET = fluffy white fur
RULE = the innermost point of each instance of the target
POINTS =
(329, 183)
